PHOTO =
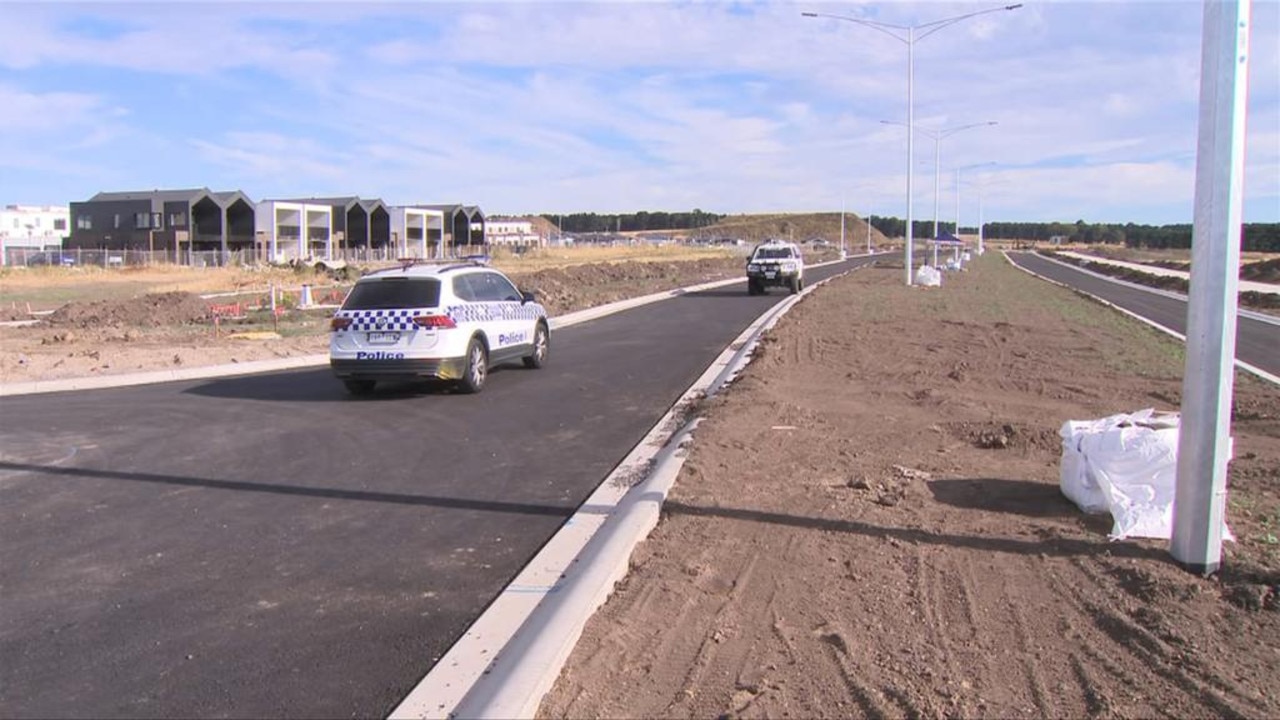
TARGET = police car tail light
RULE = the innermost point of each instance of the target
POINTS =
(339, 323)
(434, 321)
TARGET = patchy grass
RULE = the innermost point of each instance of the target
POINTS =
(48, 288)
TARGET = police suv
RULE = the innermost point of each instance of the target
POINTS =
(775, 262)
(447, 321)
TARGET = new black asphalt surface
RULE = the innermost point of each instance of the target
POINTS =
(267, 546)
(1257, 342)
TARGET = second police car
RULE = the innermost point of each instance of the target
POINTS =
(775, 263)
(447, 321)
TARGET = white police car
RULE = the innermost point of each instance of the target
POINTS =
(434, 321)
(775, 262)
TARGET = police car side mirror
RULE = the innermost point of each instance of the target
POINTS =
(527, 297)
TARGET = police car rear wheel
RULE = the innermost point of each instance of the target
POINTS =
(477, 369)
(538, 357)
(359, 387)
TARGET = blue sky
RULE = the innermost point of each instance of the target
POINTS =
(524, 107)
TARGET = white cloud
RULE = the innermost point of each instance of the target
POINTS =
(568, 106)
(42, 113)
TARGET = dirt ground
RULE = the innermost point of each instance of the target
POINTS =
(173, 329)
(869, 525)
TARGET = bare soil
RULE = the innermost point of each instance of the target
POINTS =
(869, 525)
(165, 330)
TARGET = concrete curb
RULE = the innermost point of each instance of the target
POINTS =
(1259, 372)
(1245, 285)
(510, 657)
(160, 376)
(1251, 314)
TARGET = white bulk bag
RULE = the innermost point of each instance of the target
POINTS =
(1125, 464)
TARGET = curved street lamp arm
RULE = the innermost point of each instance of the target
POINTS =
(874, 25)
(937, 25)
(940, 133)
(952, 131)
(931, 134)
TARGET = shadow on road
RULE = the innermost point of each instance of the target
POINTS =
(296, 490)
(317, 385)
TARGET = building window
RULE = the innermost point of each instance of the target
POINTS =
(141, 221)
(84, 222)
(177, 220)
(59, 223)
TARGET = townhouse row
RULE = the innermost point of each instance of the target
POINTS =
(201, 221)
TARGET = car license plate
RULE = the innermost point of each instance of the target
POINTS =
(771, 275)
(383, 338)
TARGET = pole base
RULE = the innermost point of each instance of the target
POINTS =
(1201, 569)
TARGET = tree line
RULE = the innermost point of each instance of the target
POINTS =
(633, 222)
(1255, 237)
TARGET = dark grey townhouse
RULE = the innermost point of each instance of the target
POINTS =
(197, 219)
(463, 224)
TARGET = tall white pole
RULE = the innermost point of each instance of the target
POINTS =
(910, 41)
(937, 173)
(980, 248)
(957, 203)
(911, 132)
(1204, 435)
(868, 232)
(842, 200)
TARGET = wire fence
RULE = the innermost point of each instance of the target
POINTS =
(80, 257)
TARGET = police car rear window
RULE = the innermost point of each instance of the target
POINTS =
(393, 293)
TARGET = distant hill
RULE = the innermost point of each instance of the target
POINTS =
(792, 226)
(800, 227)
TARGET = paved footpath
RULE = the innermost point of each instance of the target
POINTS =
(1245, 285)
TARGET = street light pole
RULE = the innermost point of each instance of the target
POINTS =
(842, 226)
(909, 39)
(970, 167)
(938, 136)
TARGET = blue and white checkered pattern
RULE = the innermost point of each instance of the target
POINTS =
(402, 320)
(487, 312)
(380, 320)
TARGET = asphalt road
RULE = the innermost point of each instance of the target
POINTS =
(1257, 342)
(266, 546)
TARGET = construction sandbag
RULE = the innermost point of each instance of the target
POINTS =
(1127, 465)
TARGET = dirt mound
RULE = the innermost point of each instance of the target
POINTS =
(9, 313)
(154, 310)
(1007, 436)
(1267, 271)
(563, 290)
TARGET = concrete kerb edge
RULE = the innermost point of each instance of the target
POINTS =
(487, 675)
(1251, 314)
(258, 366)
(1257, 371)
(160, 376)
(1245, 285)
